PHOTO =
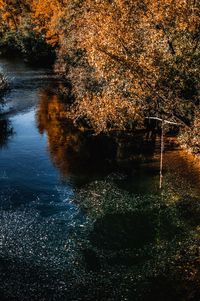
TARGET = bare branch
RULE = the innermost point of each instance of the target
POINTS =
(164, 121)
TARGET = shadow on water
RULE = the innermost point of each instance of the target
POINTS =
(6, 131)
(122, 231)
(132, 229)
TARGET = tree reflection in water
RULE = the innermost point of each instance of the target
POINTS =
(78, 152)
(5, 131)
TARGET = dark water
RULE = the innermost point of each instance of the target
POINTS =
(82, 217)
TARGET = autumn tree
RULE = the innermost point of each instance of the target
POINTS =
(127, 59)
(12, 13)
(45, 16)
(19, 31)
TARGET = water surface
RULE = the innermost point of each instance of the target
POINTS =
(82, 217)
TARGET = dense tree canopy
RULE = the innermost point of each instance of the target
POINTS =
(125, 59)
(132, 56)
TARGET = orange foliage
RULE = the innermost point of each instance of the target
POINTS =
(130, 51)
(12, 11)
(45, 17)
(125, 59)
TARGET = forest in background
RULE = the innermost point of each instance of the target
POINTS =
(124, 60)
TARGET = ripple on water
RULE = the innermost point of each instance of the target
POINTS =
(38, 252)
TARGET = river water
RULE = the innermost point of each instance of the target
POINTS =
(82, 217)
